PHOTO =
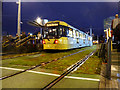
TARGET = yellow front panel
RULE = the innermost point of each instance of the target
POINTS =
(55, 46)
(62, 43)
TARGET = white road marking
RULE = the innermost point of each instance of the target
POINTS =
(50, 74)
(12, 68)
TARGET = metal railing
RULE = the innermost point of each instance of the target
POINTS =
(105, 54)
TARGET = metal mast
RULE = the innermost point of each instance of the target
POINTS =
(19, 19)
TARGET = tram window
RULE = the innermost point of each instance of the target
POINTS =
(84, 41)
(65, 31)
(70, 32)
(51, 31)
(60, 31)
(84, 36)
(88, 37)
(54, 30)
(81, 35)
(74, 33)
(45, 33)
(77, 34)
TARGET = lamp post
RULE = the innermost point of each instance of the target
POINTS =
(19, 19)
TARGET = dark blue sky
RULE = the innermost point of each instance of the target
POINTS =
(78, 14)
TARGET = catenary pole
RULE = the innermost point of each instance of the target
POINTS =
(19, 19)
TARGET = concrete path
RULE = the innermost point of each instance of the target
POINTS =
(114, 83)
(115, 69)
(38, 80)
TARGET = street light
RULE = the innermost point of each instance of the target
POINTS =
(45, 21)
(39, 21)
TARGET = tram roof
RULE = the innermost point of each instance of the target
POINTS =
(64, 24)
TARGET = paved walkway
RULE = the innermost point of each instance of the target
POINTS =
(43, 73)
(115, 68)
(114, 83)
(38, 80)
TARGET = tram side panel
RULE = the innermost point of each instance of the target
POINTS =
(64, 43)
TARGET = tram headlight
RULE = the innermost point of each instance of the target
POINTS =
(43, 41)
(56, 42)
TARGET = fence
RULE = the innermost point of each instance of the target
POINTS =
(105, 54)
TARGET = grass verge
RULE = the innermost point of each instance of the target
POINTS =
(33, 60)
(91, 66)
(62, 65)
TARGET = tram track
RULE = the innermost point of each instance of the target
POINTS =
(71, 69)
(44, 63)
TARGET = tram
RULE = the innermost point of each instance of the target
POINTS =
(58, 35)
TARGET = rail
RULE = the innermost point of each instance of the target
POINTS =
(76, 65)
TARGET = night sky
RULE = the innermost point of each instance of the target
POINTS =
(81, 15)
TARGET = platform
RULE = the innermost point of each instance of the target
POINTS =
(114, 83)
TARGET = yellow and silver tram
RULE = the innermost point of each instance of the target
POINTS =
(59, 35)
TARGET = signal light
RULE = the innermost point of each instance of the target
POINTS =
(43, 42)
(56, 42)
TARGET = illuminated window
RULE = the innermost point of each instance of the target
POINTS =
(65, 31)
(50, 32)
(74, 34)
(77, 34)
(82, 35)
(84, 41)
(60, 31)
(89, 38)
(54, 29)
(70, 32)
